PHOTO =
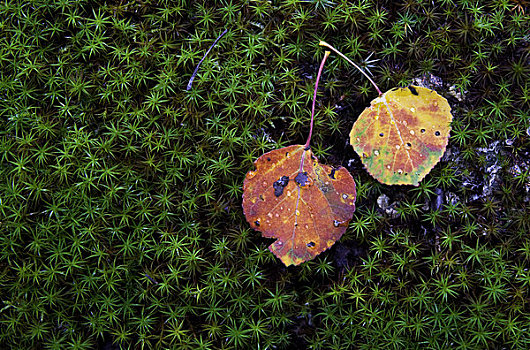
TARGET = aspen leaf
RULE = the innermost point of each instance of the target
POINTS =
(402, 135)
(305, 205)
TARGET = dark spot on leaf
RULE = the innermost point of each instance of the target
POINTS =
(332, 173)
(381, 134)
(287, 154)
(280, 185)
(268, 159)
(437, 133)
(422, 131)
(413, 90)
(311, 244)
(256, 222)
(301, 179)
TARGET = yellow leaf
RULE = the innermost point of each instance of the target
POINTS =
(402, 135)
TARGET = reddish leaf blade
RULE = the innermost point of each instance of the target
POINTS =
(306, 208)
(402, 135)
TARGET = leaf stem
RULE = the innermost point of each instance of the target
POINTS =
(326, 54)
(323, 43)
(202, 59)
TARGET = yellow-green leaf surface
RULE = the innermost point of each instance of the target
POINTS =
(305, 205)
(403, 134)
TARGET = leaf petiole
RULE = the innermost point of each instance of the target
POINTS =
(323, 43)
(326, 54)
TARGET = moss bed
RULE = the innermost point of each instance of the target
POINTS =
(120, 192)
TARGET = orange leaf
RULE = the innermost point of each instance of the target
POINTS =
(402, 135)
(304, 204)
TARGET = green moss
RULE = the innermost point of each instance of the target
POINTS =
(120, 204)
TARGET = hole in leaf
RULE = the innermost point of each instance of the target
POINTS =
(409, 145)
(301, 179)
(311, 244)
(268, 159)
(279, 185)
(261, 197)
(256, 222)
(437, 133)
(381, 134)
(422, 131)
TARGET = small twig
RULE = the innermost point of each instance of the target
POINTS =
(315, 98)
(151, 279)
(202, 59)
